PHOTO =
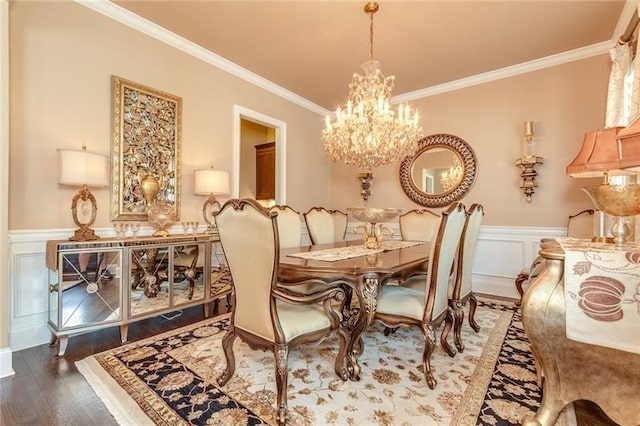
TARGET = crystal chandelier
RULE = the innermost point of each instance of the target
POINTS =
(366, 132)
(450, 178)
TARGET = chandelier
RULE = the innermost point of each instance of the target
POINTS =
(366, 132)
(450, 178)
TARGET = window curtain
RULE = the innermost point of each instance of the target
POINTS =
(634, 107)
(620, 63)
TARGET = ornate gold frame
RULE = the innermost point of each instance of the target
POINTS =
(146, 139)
(469, 163)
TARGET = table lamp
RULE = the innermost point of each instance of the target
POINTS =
(83, 169)
(600, 156)
(211, 182)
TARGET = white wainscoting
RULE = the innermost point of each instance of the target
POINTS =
(502, 252)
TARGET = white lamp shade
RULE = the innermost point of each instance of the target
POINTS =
(79, 168)
(209, 181)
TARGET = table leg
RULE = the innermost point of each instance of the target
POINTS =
(359, 318)
(64, 341)
(124, 331)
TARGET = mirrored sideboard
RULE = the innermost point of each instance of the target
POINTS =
(118, 281)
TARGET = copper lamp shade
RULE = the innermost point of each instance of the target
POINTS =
(598, 154)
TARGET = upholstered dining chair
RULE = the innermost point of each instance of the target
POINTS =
(418, 225)
(288, 226)
(425, 309)
(579, 225)
(325, 226)
(264, 315)
(461, 292)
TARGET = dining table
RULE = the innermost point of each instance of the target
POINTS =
(364, 271)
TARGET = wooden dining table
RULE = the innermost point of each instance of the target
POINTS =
(364, 275)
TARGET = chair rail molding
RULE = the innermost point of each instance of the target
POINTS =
(501, 253)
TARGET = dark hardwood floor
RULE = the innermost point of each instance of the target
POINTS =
(49, 390)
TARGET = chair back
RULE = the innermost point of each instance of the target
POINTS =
(419, 225)
(288, 226)
(443, 252)
(467, 250)
(339, 225)
(325, 226)
(581, 225)
(249, 233)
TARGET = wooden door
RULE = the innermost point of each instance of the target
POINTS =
(266, 171)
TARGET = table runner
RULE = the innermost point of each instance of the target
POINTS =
(342, 253)
(602, 293)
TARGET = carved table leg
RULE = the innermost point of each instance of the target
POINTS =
(360, 318)
(520, 280)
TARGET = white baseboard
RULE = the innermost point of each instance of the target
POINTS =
(34, 334)
(494, 286)
(6, 368)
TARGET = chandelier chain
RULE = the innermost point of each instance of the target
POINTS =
(371, 35)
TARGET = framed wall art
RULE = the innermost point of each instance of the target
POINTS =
(146, 139)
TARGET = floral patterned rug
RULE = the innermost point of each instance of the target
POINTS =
(170, 379)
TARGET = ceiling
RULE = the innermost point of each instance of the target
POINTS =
(312, 48)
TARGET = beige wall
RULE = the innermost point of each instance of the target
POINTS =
(62, 59)
(563, 102)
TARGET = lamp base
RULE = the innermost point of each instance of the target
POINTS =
(209, 209)
(84, 233)
(621, 231)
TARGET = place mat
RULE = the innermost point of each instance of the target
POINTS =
(602, 294)
(342, 253)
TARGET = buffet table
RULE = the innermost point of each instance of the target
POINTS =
(582, 316)
(143, 277)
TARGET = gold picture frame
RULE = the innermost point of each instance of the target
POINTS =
(146, 139)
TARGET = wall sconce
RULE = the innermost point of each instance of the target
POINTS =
(365, 185)
(528, 164)
(83, 169)
(211, 182)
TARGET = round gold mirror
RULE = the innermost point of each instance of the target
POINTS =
(441, 171)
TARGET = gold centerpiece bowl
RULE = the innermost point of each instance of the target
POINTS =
(373, 229)
(620, 201)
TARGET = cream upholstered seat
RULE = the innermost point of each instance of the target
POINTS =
(427, 308)
(325, 226)
(288, 226)
(418, 225)
(264, 315)
(461, 291)
(579, 225)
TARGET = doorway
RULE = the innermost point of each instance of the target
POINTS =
(258, 136)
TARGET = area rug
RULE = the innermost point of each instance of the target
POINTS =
(170, 379)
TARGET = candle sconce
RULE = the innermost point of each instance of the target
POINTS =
(528, 164)
(365, 185)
